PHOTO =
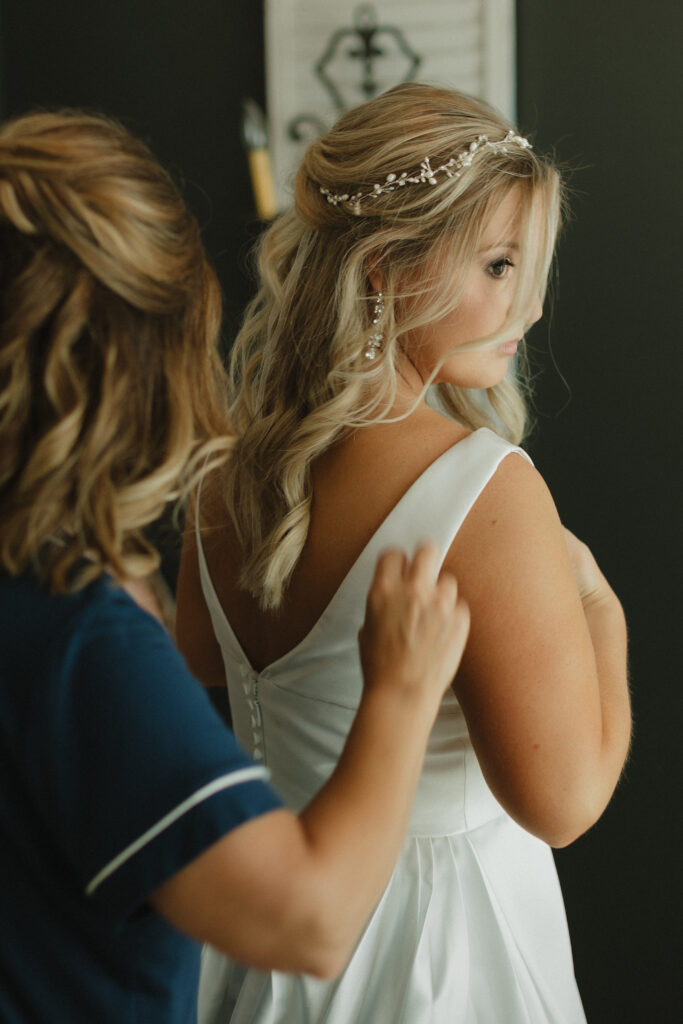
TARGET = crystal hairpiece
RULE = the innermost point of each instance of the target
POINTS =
(453, 168)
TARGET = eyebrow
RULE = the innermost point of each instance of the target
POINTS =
(499, 245)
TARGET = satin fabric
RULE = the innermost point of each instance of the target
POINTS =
(471, 928)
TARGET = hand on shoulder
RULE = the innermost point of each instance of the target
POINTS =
(415, 628)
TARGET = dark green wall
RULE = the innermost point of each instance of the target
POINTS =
(174, 72)
(602, 83)
(599, 82)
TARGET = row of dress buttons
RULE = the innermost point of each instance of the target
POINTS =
(250, 689)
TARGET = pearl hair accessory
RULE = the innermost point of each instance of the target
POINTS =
(371, 350)
(453, 169)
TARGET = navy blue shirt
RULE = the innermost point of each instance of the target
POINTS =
(115, 772)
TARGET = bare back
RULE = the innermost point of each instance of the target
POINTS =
(355, 486)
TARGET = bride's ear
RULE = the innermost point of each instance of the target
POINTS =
(375, 275)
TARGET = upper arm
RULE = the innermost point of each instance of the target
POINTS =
(194, 633)
(247, 895)
(528, 682)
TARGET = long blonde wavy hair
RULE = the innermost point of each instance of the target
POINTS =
(111, 389)
(299, 381)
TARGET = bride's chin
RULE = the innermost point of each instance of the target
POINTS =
(477, 379)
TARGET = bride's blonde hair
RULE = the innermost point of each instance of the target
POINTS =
(111, 389)
(299, 378)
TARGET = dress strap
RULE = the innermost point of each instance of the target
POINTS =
(436, 506)
(221, 625)
(433, 509)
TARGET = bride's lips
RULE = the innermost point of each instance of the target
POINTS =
(508, 348)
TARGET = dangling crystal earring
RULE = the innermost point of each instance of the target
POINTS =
(372, 349)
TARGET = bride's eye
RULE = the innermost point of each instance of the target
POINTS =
(499, 268)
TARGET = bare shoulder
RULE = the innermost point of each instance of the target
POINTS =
(208, 517)
(512, 564)
(513, 517)
(528, 683)
(358, 481)
(408, 445)
(515, 482)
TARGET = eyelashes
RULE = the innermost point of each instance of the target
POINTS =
(499, 268)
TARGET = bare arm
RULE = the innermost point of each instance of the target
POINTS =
(543, 682)
(293, 893)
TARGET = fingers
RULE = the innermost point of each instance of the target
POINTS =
(590, 581)
(455, 608)
(417, 584)
(426, 573)
(391, 567)
(425, 564)
(448, 586)
(463, 621)
(394, 565)
(416, 626)
(423, 573)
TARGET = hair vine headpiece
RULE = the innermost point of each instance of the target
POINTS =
(453, 169)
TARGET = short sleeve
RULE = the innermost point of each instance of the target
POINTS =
(140, 773)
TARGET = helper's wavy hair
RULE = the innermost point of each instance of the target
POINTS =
(299, 380)
(111, 389)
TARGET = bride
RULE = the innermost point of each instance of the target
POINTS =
(375, 404)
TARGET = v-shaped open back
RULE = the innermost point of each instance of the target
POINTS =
(438, 500)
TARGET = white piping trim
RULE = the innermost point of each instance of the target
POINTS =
(224, 782)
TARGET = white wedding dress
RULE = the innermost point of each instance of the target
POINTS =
(471, 927)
